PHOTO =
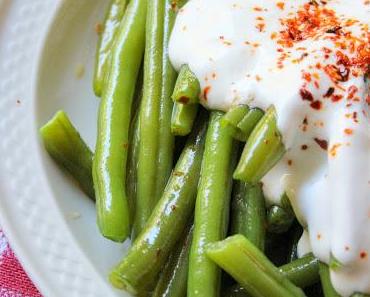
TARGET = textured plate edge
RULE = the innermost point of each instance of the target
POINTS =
(13, 233)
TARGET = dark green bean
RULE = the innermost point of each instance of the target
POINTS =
(65, 145)
(303, 272)
(249, 213)
(279, 220)
(149, 252)
(173, 280)
(187, 88)
(183, 116)
(212, 207)
(149, 116)
(109, 165)
(112, 21)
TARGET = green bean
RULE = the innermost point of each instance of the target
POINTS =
(65, 145)
(166, 138)
(247, 124)
(248, 213)
(187, 87)
(131, 176)
(182, 119)
(172, 282)
(302, 272)
(232, 119)
(112, 21)
(279, 220)
(109, 165)
(262, 150)
(149, 116)
(235, 291)
(327, 287)
(212, 207)
(149, 252)
(360, 295)
(250, 267)
(295, 234)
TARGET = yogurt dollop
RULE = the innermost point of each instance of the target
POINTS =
(310, 59)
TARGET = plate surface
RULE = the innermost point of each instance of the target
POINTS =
(46, 59)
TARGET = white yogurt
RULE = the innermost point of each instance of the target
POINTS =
(243, 53)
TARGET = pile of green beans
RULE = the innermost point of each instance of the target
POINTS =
(207, 211)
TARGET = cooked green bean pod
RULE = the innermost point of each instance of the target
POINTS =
(327, 287)
(109, 165)
(149, 116)
(247, 124)
(112, 21)
(232, 118)
(166, 138)
(187, 88)
(173, 280)
(65, 145)
(140, 268)
(249, 213)
(302, 272)
(212, 207)
(262, 150)
(250, 267)
(182, 120)
(279, 220)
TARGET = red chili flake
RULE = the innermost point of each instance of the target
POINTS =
(317, 85)
(316, 105)
(306, 76)
(206, 91)
(337, 74)
(368, 99)
(306, 95)
(261, 27)
(280, 5)
(334, 30)
(348, 131)
(174, 5)
(326, 50)
(352, 90)
(257, 8)
(184, 99)
(363, 255)
(273, 35)
(334, 149)
(355, 117)
(99, 28)
(329, 92)
(304, 147)
(305, 121)
(290, 162)
(322, 143)
(336, 98)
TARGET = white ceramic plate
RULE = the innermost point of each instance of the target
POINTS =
(44, 47)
